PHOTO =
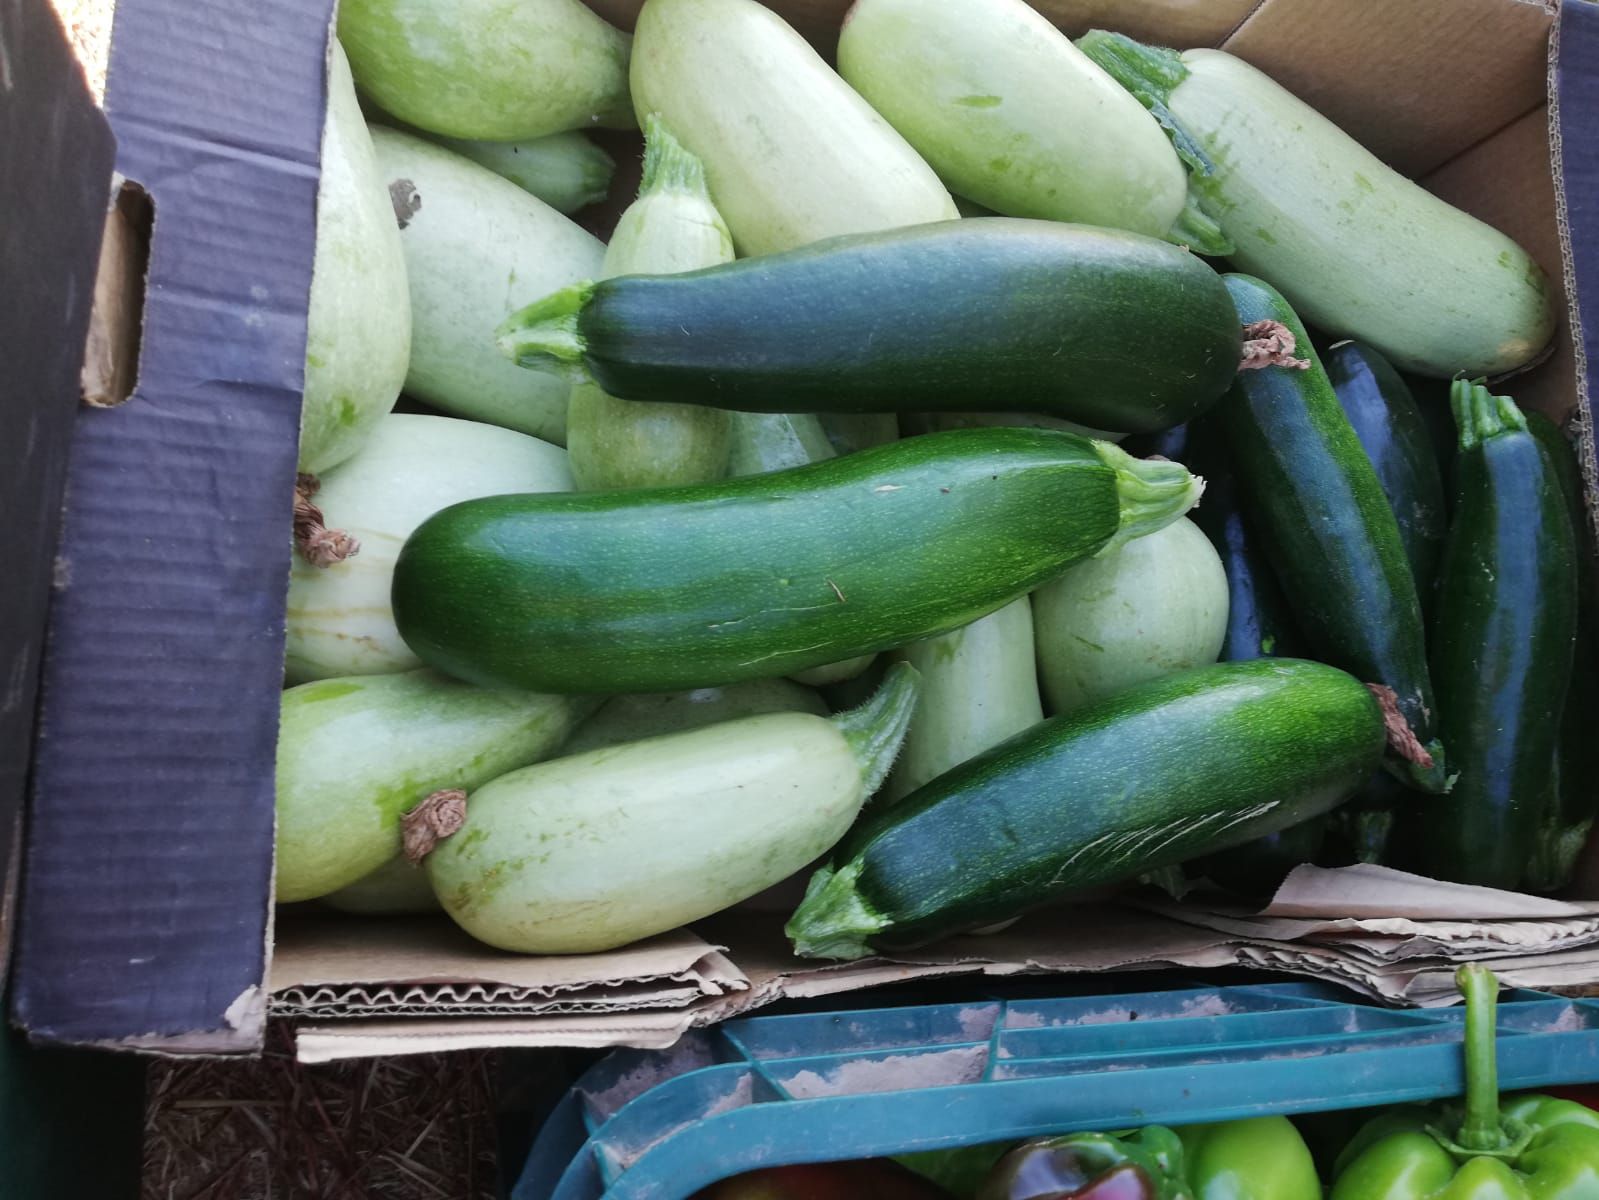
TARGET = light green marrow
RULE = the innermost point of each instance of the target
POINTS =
(635, 716)
(477, 247)
(792, 153)
(1012, 115)
(1154, 607)
(500, 70)
(1357, 248)
(358, 325)
(355, 755)
(979, 687)
(596, 850)
(565, 170)
(765, 442)
(397, 888)
(671, 227)
(339, 619)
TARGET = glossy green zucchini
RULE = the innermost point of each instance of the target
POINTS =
(1110, 329)
(1502, 648)
(582, 593)
(1328, 529)
(1391, 428)
(1177, 768)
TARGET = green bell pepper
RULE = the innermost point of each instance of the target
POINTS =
(1530, 1148)
(1262, 1158)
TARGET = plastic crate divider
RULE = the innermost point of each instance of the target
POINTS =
(1090, 1012)
(677, 1104)
(1542, 1014)
(817, 1035)
(1194, 1056)
(1093, 1042)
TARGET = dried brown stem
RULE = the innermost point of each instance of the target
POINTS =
(317, 544)
(1270, 344)
(1402, 739)
(430, 822)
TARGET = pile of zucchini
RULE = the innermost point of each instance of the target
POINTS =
(840, 519)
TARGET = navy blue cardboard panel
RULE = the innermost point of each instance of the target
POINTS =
(55, 181)
(1577, 100)
(148, 873)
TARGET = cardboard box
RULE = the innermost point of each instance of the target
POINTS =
(148, 918)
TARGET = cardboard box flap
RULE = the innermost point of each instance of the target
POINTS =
(55, 179)
(149, 871)
(316, 1043)
(1372, 893)
(1405, 955)
(364, 967)
(1458, 69)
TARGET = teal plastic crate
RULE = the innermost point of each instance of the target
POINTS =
(775, 1090)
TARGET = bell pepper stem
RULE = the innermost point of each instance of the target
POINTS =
(1481, 1128)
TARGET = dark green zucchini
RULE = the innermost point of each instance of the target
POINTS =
(1173, 769)
(1363, 830)
(1107, 328)
(1258, 868)
(1391, 428)
(1259, 625)
(768, 574)
(1259, 622)
(1164, 443)
(1327, 527)
(1502, 648)
(1570, 818)
(1432, 398)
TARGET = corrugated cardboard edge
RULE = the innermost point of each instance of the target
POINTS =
(1584, 418)
(372, 1039)
(1125, 939)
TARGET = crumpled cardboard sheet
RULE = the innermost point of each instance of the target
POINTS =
(1388, 936)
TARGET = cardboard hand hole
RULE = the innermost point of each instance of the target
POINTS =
(111, 354)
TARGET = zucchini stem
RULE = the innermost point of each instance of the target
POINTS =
(1151, 74)
(317, 544)
(1402, 739)
(668, 167)
(547, 328)
(1480, 415)
(1270, 344)
(1199, 231)
(833, 921)
(876, 730)
(430, 822)
(1152, 493)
